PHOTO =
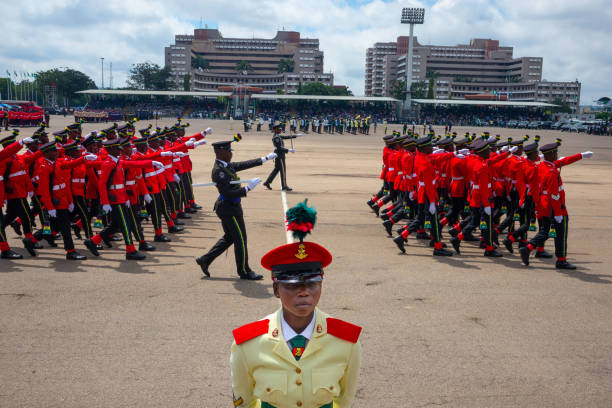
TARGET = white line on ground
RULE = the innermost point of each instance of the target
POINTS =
(288, 236)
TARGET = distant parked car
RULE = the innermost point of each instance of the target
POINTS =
(512, 123)
(534, 125)
(545, 124)
(522, 124)
(556, 125)
(582, 128)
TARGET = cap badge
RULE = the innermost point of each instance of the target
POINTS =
(301, 253)
(319, 328)
(275, 333)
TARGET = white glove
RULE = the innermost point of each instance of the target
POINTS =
(411, 195)
(299, 135)
(166, 154)
(252, 184)
(487, 210)
(176, 178)
(436, 151)
(464, 151)
(513, 149)
(291, 150)
(208, 131)
(90, 157)
(157, 164)
(199, 142)
(30, 194)
(459, 156)
(71, 207)
(107, 208)
(504, 149)
(52, 213)
(432, 208)
(179, 154)
(558, 219)
(491, 139)
(26, 140)
(190, 142)
(587, 155)
(271, 156)
(127, 203)
(148, 198)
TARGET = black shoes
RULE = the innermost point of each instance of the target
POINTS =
(286, 188)
(183, 216)
(75, 256)
(388, 227)
(178, 222)
(145, 246)
(399, 241)
(442, 252)
(452, 232)
(175, 229)
(196, 206)
(135, 256)
(250, 275)
(204, 266)
(456, 244)
(28, 244)
(116, 238)
(508, 245)
(564, 265)
(493, 254)
(161, 238)
(267, 185)
(191, 210)
(525, 254)
(543, 254)
(93, 248)
(422, 235)
(10, 254)
(470, 238)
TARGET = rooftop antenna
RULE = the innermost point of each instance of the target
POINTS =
(111, 75)
(200, 21)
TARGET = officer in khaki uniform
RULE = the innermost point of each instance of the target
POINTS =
(298, 356)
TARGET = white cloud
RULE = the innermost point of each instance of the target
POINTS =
(571, 36)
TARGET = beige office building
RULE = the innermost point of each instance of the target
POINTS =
(263, 55)
(482, 66)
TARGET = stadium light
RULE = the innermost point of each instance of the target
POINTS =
(412, 16)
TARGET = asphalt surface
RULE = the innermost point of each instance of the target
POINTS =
(465, 331)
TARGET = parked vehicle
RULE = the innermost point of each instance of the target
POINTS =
(511, 123)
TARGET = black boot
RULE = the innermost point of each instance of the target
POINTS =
(200, 261)
(178, 222)
(399, 241)
(10, 254)
(543, 254)
(17, 227)
(75, 256)
(267, 185)
(161, 238)
(470, 238)
(493, 254)
(196, 206)
(28, 244)
(250, 275)
(524, 251)
(175, 229)
(508, 245)
(388, 227)
(456, 244)
(452, 232)
(93, 248)
(135, 256)
(116, 238)
(145, 246)
(183, 216)
(423, 235)
(286, 188)
(564, 265)
(442, 252)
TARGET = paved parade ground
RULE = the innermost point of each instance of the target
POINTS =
(464, 331)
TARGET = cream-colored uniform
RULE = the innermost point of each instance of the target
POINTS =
(264, 369)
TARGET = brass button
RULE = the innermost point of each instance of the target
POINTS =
(267, 390)
(299, 382)
(299, 403)
(331, 387)
(298, 370)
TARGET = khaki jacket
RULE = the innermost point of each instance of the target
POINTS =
(264, 369)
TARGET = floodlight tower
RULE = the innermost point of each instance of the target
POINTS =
(412, 16)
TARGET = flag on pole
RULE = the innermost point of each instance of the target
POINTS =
(8, 73)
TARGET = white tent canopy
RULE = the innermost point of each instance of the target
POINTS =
(476, 102)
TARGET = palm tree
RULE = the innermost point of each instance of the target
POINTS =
(285, 65)
(244, 66)
(432, 75)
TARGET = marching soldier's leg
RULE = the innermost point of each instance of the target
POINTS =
(561, 244)
(154, 209)
(537, 241)
(19, 208)
(240, 247)
(435, 235)
(6, 252)
(80, 208)
(61, 223)
(119, 216)
(136, 228)
(220, 246)
(283, 175)
(272, 175)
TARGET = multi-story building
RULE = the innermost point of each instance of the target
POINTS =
(482, 66)
(221, 57)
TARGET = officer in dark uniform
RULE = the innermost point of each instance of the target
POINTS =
(279, 163)
(229, 209)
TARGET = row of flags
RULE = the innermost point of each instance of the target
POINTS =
(22, 75)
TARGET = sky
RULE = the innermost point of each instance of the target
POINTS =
(572, 36)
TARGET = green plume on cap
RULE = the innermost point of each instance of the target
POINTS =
(237, 137)
(536, 139)
(526, 138)
(301, 219)
(558, 141)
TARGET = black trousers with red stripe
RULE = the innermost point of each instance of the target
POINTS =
(61, 223)
(82, 213)
(18, 207)
(119, 222)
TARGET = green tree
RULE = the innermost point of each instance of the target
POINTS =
(285, 65)
(67, 82)
(199, 62)
(563, 106)
(398, 89)
(244, 66)
(417, 90)
(149, 76)
(432, 75)
(187, 82)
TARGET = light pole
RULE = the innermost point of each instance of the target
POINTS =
(412, 16)
(102, 62)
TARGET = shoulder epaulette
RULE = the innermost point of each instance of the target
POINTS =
(250, 331)
(343, 330)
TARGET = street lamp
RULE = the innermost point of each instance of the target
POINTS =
(102, 62)
(412, 16)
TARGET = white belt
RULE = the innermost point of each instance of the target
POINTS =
(421, 183)
(513, 181)
(116, 187)
(59, 186)
(78, 180)
(130, 183)
(391, 168)
(19, 173)
(476, 186)
(457, 178)
(560, 188)
(1, 178)
(151, 174)
(544, 192)
(400, 172)
(139, 177)
(555, 197)
(498, 179)
(443, 174)
(168, 166)
(413, 174)
(176, 160)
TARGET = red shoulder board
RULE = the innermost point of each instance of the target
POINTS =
(250, 331)
(343, 330)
